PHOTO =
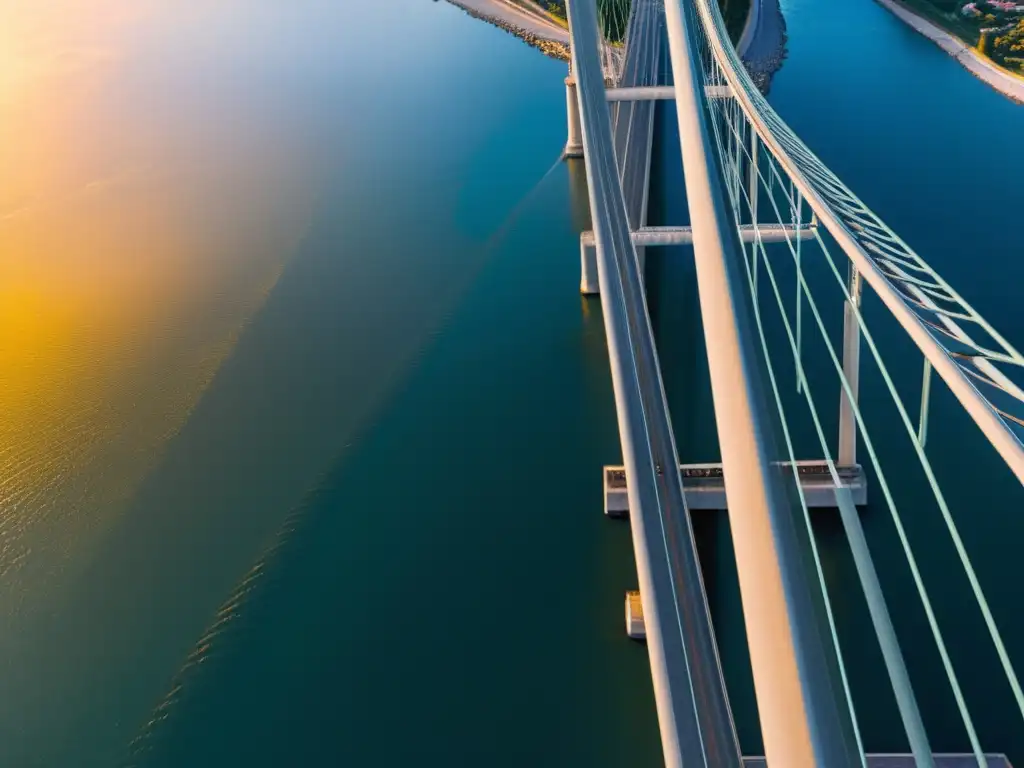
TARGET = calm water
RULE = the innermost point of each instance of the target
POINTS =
(302, 415)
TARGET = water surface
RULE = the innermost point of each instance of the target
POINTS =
(303, 417)
(303, 414)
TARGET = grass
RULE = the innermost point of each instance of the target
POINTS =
(963, 28)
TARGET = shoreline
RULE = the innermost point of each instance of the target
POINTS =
(546, 36)
(986, 70)
(762, 44)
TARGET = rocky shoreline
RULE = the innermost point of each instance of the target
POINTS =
(762, 70)
(551, 48)
(765, 54)
(761, 67)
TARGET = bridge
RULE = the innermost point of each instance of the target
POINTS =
(786, 257)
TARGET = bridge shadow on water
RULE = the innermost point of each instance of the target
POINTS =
(448, 588)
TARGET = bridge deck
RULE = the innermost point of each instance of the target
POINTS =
(907, 761)
(633, 123)
(704, 486)
(693, 714)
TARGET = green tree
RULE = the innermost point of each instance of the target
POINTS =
(1009, 44)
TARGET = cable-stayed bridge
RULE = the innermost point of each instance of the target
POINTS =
(786, 259)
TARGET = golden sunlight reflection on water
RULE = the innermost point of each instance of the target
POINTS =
(135, 243)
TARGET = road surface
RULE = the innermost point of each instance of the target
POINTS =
(693, 713)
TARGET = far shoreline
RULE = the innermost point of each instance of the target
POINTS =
(762, 44)
(986, 70)
(540, 33)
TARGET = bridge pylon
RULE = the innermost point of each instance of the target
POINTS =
(851, 370)
(574, 142)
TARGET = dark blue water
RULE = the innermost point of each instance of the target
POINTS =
(303, 416)
(305, 468)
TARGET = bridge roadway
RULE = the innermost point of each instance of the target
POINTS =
(633, 122)
(693, 712)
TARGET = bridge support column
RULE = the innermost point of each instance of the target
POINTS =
(753, 185)
(588, 266)
(851, 370)
(574, 143)
(588, 270)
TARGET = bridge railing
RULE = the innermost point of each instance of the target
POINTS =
(614, 19)
(981, 368)
(842, 280)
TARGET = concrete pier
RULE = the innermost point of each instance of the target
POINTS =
(574, 142)
(635, 616)
(851, 370)
(588, 270)
(704, 486)
(907, 761)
